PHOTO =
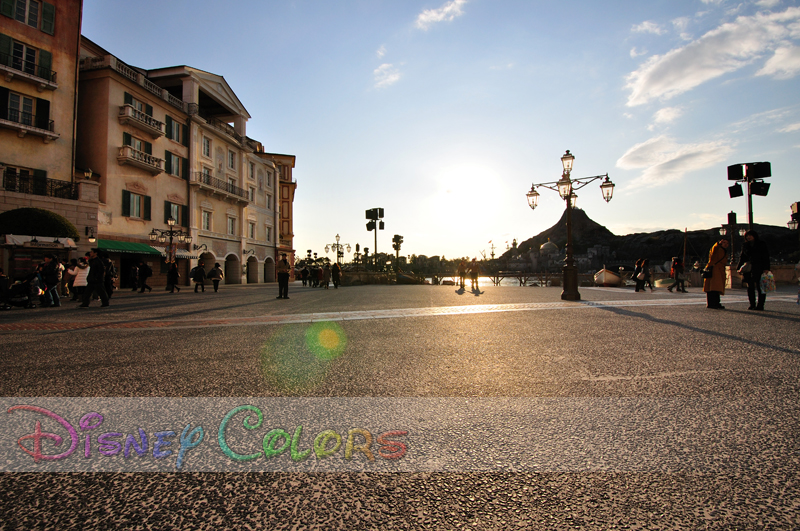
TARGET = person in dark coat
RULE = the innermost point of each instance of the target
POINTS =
(715, 286)
(756, 254)
(95, 281)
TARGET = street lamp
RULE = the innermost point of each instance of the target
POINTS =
(566, 187)
(161, 236)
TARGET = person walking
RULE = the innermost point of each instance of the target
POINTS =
(753, 262)
(198, 274)
(216, 275)
(714, 285)
(145, 272)
(336, 275)
(677, 272)
(95, 280)
(173, 277)
(283, 277)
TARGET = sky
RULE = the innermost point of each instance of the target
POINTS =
(445, 112)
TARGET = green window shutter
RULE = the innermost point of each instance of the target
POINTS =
(126, 203)
(148, 148)
(184, 216)
(45, 64)
(169, 127)
(126, 139)
(167, 162)
(185, 169)
(167, 210)
(7, 8)
(185, 135)
(6, 44)
(48, 18)
(128, 99)
(148, 109)
(42, 114)
(146, 208)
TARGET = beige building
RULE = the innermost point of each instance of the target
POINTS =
(38, 72)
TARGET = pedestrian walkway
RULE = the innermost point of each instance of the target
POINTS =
(399, 313)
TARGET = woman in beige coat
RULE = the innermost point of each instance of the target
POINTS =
(715, 286)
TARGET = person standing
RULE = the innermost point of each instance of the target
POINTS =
(95, 281)
(199, 276)
(216, 275)
(145, 272)
(677, 273)
(714, 286)
(283, 277)
(754, 261)
(173, 276)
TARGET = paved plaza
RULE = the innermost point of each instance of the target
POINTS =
(621, 411)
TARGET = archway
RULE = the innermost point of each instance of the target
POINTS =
(233, 270)
(269, 270)
(252, 270)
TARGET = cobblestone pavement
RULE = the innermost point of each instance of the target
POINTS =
(737, 448)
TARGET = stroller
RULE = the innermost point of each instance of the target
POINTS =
(20, 293)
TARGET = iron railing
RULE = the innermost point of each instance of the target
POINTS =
(29, 67)
(25, 183)
(26, 118)
(219, 184)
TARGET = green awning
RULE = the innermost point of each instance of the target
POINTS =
(113, 246)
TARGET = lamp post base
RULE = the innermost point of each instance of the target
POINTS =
(570, 292)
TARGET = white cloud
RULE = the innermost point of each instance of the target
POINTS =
(724, 49)
(381, 52)
(648, 27)
(637, 53)
(790, 128)
(386, 75)
(447, 12)
(784, 64)
(667, 115)
(665, 161)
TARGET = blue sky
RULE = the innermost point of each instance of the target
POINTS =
(444, 112)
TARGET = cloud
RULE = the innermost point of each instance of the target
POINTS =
(381, 52)
(665, 161)
(790, 128)
(447, 12)
(667, 115)
(724, 49)
(784, 64)
(386, 75)
(648, 27)
(637, 53)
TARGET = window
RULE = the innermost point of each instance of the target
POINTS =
(206, 220)
(231, 160)
(252, 230)
(179, 213)
(135, 205)
(206, 147)
(252, 194)
(232, 226)
(175, 165)
(252, 174)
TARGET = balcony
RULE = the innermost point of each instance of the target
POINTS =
(217, 186)
(14, 67)
(140, 159)
(25, 123)
(130, 116)
(24, 183)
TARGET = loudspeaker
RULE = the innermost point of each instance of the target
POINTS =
(759, 188)
(736, 173)
(758, 170)
(735, 190)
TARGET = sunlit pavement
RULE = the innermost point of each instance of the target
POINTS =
(429, 341)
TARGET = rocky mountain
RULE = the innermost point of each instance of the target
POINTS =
(658, 246)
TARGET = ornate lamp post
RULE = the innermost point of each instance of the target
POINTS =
(161, 236)
(566, 187)
(339, 248)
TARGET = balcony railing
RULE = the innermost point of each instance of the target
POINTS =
(140, 120)
(27, 184)
(210, 181)
(28, 70)
(140, 159)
